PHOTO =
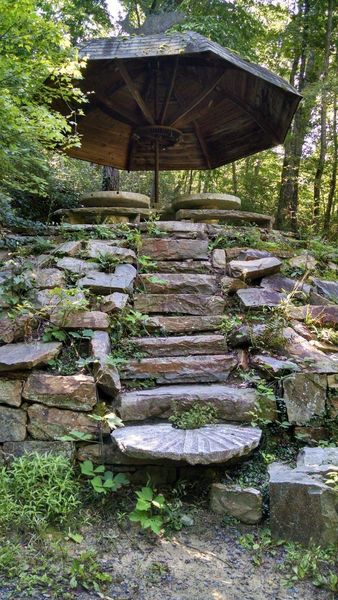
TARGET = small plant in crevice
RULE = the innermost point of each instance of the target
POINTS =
(231, 237)
(152, 228)
(74, 353)
(128, 322)
(102, 480)
(229, 323)
(67, 302)
(153, 511)
(146, 264)
(108, 262)
(194, 417)
(19, 284)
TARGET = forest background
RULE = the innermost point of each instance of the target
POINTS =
(296, 39)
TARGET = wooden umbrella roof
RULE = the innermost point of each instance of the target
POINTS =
(206, 105)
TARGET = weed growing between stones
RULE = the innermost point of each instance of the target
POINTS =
(18, 286)
(236, 237)
(128, 322)
(146, 264)
(152, 228)
(74, 352)
(108, 262)
(152, 511)
(194, 417)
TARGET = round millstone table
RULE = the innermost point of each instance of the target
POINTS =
(205, 202)
(108, 207)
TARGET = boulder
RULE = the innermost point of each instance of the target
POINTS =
(15, 357)
(12, 424)
(181, 369)
(278, 283)
(259, 298)
(49, 278)
(254, 269)
(114, 302)
(184, 324)
(96, 249)
(171, 249)
(182, 345)
(218, 259)
(10, 392)
(190, 304)
(245, 504)
(120, 281)
(46, 423)
(304, 395)
(310, 457)
(231, 403)
(16, 449)
(87, 319)
(206, 445)
(77, 265)
(181, 283)
(302, 507)
(71, 248)
(323, 315)
(72, 392)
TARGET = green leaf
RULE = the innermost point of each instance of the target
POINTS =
(146, 493)
(87, 467)
(75, 537)
(142, 504)
(159, 501)
(99, 469)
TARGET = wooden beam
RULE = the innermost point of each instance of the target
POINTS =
(124, 117)
(197, 100)
(135, 93)
(202, 144)
(170, 90)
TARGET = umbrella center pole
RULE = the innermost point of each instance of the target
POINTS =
(157, 174)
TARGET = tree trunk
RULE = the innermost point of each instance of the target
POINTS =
(333, 178)
(323, 120)
(234, 178)
(110, 179)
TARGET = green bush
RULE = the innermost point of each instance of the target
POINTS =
(38, 490)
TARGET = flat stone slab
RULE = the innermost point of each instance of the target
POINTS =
(181, 369)
(47, 423)
(16, 449)
(252, 254)
(207, 200)
(324, 315)
(96, 249)
(304, 395)
(167, 283)
(285, 284)
(106, 376)
(179, 229)
(10, 391)
(72, 392)
(207, 445)
(183, 266)
(231, 403)
(310, 457)
(272, 365)
(15, 357)
(254, 269)
(237, 216)
(91, 215)
(328, 289)
(302, 350)
(182, 345)
(244, 504)
(120, 281)
(68, 248)
(124, 199)
(257, 297)
(77, 265)
(12, 424)
(189, 304)
(184, 324)
(87, 319)
(171, 249)
(48, 278)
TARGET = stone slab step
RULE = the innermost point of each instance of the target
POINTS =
(171, 249)
(16, 357)
(184, 324)
(207, 445)
(181, 369)
(181, 283)
(232, 403)
(105, 283)
(179, 229)
(237, 216)
(183, 266)
(184, 345)
(189, 304)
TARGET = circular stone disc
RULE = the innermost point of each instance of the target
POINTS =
(220, 201)
(116, 199)
(209, 444)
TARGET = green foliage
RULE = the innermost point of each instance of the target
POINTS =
(101, 480)
(236, 237)
(332, 480)
(149, 510)
(38, 490)
(229, 323)
(152, 228)
(85, 571)
(128, 322)
(146, 264)
(108, 262)
(194, 417)
(19, 284)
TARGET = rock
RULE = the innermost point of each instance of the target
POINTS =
(230, 285)
(245, 504)
(114, 302)
(304, 395)
(254, 269)
(181, 369)
(183, 266)
(233, 252)
(302, 507)
(268, 363)
(100, 345)
(77, 265)
(218, 259)
(169, 249)
(96, 249)
(14, 357)
(12, 424)
(191, 304)
(52, 302)
(108, 454)
(179, 346)
(68, 248)
(299, 348)
(184, 324)
(49, 278)
(17, 449)
(279, 283)
(304, 261)
(73, 392)
(10, 392)
(324, 315)
(209, 444)
(120, 281)
(257, 297)
(317, 299)
(181, 283)
(87, 319)
(106, 376)
(180, 229)
(311, 434)
(207, 200)
(252, 254)
(47, 423)
(16, 329)
(243, 335)
(310, 457)
(231, 403)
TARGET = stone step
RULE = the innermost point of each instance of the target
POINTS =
(232, 403)
(226, 216)
(184, 324)
(181, 369)
(206, 445)
(183, 266)
(181, 283)
(184, 345)
(171, 249)
(189, 304)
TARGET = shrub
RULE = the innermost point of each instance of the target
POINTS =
(193, 418)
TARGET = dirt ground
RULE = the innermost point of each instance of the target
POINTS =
(202, 562)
